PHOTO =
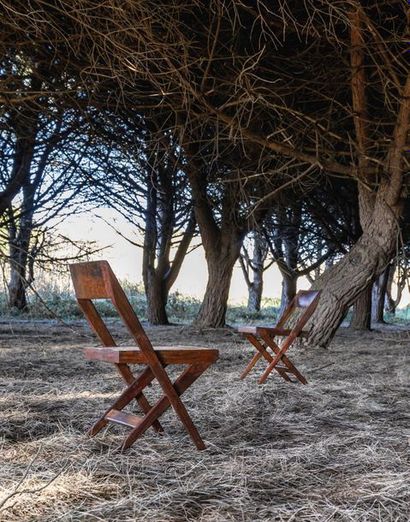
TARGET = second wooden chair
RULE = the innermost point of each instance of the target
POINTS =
(263, 337)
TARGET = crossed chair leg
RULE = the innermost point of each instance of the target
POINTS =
(145, 406)
(140, 424)
(279, 356)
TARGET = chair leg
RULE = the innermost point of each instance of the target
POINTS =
(261, 352)
(146, 407)
(183, 382)
(280, 356)
(130, 393)
(292, 369)
(251, 364)
(188, 377)
(127, 375)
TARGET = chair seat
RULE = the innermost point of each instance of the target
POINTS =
(284, 332)
(257, 330)
(166, 354)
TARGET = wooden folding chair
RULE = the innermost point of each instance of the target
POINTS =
(95, 280)
(263, 337)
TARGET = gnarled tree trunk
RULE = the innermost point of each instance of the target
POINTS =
(343, 283)
(379, 295)
(362, 310)
(220, 262)
(254, 265)
(222, 241)
(380, 211)
(289, 287)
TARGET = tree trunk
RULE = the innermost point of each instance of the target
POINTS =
(391, 304)
(24, 123)
(255, 287)
(380, 214)
(220, 264)
(401, 273)
(362, 310)
(157, 298)
(289, 286)
(342, 284)
(20, 230)
(379, 296)
(222, 242)
(286, 251)
(255, 292)
(19, 241)
(17, 287)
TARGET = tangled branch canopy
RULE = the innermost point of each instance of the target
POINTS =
(260, 86)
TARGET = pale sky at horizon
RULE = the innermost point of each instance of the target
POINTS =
(126, 259)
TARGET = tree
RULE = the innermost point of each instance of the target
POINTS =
(254, 264)
(222, 226)
(398, 276)
(41, 145)
(379, 295)
(295, 85)
(143, 179)
(228, 205)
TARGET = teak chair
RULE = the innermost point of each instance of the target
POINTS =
(263, 337)
(95, 280)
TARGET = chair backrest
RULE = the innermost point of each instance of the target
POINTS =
(304, 299)
(95, 280)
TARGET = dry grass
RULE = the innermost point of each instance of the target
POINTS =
(337, 449)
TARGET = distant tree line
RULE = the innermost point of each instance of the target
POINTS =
(275, 132)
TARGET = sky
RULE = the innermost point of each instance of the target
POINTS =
(126, 259)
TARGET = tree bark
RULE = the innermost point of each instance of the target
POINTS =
(17, 284)
(254, 266)
(362, 310)
(287, 252)
(158, 281)
(255, 292)
(158, 230)
(24, 122)
(342, 284)
(20, 228)
(157, 299)
(391, 303)
(220, 263)
(379, 295)
(19, 245)
(380, 211)
(289, 287)
(222, 242)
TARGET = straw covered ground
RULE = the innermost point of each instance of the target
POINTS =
(337, 449)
